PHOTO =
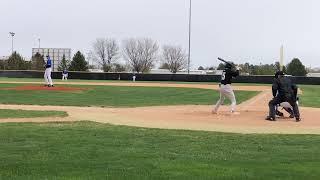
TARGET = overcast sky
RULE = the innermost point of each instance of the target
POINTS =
(239, 30)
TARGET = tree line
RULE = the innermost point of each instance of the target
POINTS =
(141, 55)
(295, 68)
(17, 62)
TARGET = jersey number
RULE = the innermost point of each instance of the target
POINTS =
(223, 76)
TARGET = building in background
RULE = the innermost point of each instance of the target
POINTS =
(56, 55)
(4, 58)
(313, 75)
(193, 72)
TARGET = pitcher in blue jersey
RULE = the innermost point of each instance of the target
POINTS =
(47, 73)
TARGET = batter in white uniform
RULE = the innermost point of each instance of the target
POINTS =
(226, 90)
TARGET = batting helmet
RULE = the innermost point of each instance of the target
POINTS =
(228, 65)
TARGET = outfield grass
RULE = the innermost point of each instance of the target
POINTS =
(97, 151)
(10, 113)
(98, 81)
(310, 96)
(116, 96)
(122, 81)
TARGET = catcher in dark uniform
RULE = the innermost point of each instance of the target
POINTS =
(285, 105)
(283, 90)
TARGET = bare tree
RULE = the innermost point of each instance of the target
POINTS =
(174, 57)
(105, 52)
(140, 54)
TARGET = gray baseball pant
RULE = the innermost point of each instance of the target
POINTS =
(226, 91)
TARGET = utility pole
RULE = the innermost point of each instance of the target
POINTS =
(189, 51)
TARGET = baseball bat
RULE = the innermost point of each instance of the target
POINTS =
(220, 59)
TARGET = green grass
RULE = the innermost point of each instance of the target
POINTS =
(122, 81)
(11, 113)
(310, 96)
(116, 96)
(98, 81)
(97, 151)
(55, 80)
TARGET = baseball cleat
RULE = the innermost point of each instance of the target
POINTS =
(291, 116)
(235, 113)
(269, 118)
(298, 119)
(214, 112)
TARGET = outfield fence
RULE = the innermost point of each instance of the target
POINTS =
(155, 77)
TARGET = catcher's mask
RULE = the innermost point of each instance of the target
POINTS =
(279, 73)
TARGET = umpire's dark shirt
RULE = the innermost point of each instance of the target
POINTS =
(227, 76)
(284, 87)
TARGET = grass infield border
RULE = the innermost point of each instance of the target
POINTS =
(18, 113)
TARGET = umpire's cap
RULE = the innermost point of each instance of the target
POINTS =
(279, 73)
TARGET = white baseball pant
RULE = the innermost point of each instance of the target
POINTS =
(64, 76)
(226, 91)
(47, 76)
(287, 105)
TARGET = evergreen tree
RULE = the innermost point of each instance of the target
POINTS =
(296, 68)
(27, 65)
(119, 68)
(78, 63)
(200, 68)
(284, 69)
(106, 67)
(37, 62)
(64, 64)
(245, 68)
(220, 66)
(3, 64)
(16, 62)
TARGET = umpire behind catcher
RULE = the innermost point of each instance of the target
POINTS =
(283, 90)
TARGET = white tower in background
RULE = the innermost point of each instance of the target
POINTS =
(281, 58)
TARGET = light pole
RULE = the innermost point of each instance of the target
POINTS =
(12, 35)
(189, 51)
(39, 42)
